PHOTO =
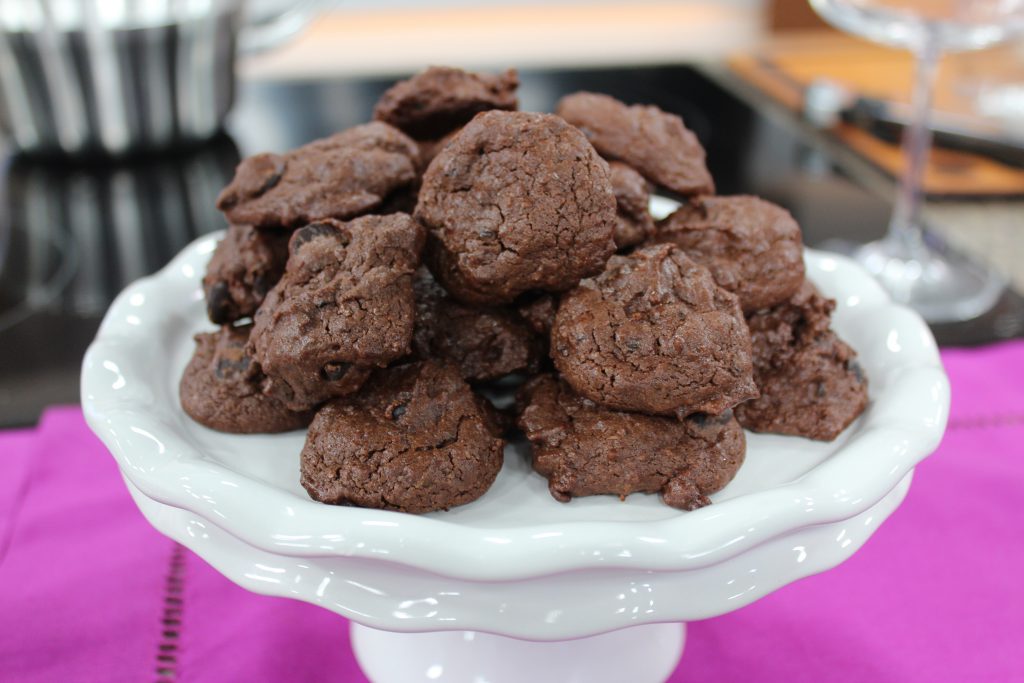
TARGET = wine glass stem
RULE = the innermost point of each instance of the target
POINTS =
(906, 226)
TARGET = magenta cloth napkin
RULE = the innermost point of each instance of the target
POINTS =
(90, 592)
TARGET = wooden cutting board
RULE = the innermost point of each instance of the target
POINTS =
(786, 64)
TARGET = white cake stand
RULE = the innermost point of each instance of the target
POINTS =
(514, 586)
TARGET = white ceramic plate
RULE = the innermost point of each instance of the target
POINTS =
(248, 485)
(130, 385)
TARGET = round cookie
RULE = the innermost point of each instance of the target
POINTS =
(415, 439)
(584, 449)
(810, 382)
(221, 388)
(484, 343)
(652, 141)
(653, 333)
(243, 268)
(752, 247)
(634, 223)
(437, 101)
(343, 306)
(345, 175)
(516, 202)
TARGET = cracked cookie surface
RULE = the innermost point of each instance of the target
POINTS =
(485, 343)
(221, 389)
(516, 202)
(810, 382)
(415, 439)
(653, 333)
(243, 268)
(652, 141)
(342, 176)
(343, 306)
(752, 247)
(435, 102)
(584, 449)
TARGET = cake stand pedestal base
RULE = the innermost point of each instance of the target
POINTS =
(641, 654)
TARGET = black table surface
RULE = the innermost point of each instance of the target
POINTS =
(74, 233)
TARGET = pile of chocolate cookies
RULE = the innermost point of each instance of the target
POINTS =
(373, 283)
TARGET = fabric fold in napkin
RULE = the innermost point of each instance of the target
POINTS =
(90, 592)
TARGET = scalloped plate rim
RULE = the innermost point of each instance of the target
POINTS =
(689, 541)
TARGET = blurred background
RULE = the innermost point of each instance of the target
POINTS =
(122, 120)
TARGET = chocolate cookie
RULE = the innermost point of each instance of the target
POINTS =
(810, 382)
(634, 223)
(500, 421)
(414, 440)
(243, 268)
(345, 175)
(752, 247)
(539, 313)
(516, 202)
(221, 388)
(344, 305)
(654, 142)
(584, 449)
(440, 99)
(485, 343)
(429, 149)
(654, 333)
